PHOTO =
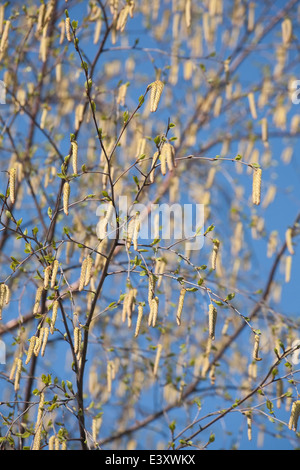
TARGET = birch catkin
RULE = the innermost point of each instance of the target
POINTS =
(139, 320)
(54, 273)
(289, 240)
(38, 297)
(215, 254)
(287, 30)
(295, 412)
(74, 145)
(12, 184)
(212, 319)
(54, 316)
(252, 105)
(4, 297)
(256, 348)
(4, 37)
(180, 306)
(45, 339)
(154, 310)
(256, 186)
(155, 94)
(66, 196)
(157, 359)
(18, 374)
(68, 29)
(30, 349)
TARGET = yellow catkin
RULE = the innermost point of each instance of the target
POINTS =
(188, 13)
(249, 425)
(54, 316)
(131, 296)
(47, 273)
(139, 320)
(279, 392)
(109, 376)
(83, 274)
(136, 230)
(264, 129)
(251, 16)
(155, 94)
(293, 421)
(288, 268)
(54, 273)
(170, 155)
(252, 105)
(212, 319)
(180, 306)
(2, 13)
(12, 185)
(256, 186)
(66, 196)
(4, 37)
(256, 348)
(74, 145)
(88, 270)
(289, 240)
(37, 346)
(13, 369)
(51, 443)
(30, 349)
(43, 117)
(18, 374)
(157, 359)
(286, 30)
(68, 29)
(77, 339)
(39, 424)
(154, 308)
(45, 339)
(4, 297)
(124, 310)
(151, 287)
(41, 15)
(215, 254)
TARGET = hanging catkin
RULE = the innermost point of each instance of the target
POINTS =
(157, 359)
(256, 348)
(68, 29)
(54, 273)
(47, 273)
(4, 37)
(12, 184)
(256, 186)
(287, 30)
(215, 254)
(66, 196)
(74, 145)
(154, 310)
(46, 332)
(180, 306)
(4, 297)
(38, 297)
(252, 105)
(30, 349)
(155, 94)
(295, 412)
(54, 316)
(212, 319)
(139, 320)
(289, 240)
